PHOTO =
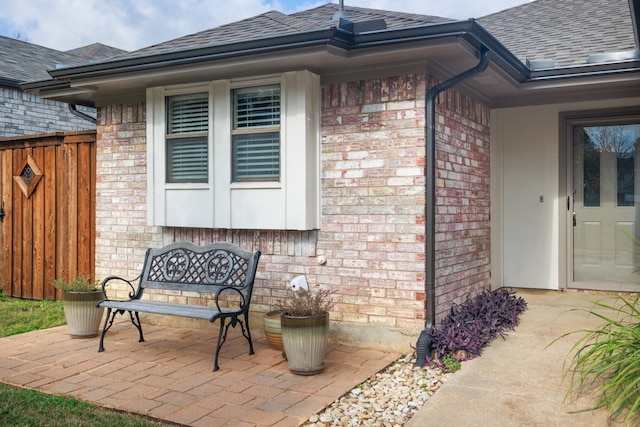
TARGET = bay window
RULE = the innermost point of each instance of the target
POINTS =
(235, 154)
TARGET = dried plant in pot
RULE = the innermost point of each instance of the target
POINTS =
(305, 330)
(80, 297)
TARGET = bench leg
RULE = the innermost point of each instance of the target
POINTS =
(222, 335)
(137, 324)
(108, 322)
(248, 334)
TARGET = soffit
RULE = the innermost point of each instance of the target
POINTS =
(444, 60)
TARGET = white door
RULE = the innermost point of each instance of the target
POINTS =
(605, 192)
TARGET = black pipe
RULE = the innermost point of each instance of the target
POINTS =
(423, 345)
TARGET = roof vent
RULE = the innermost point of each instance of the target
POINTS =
(362, 27)
(626, 55)
(540, 64)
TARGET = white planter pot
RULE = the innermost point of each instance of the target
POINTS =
(83, 317)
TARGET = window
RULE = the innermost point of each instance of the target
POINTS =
(235, 153)
(187, 138)
(256, 134)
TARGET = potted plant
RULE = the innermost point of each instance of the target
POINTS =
(80, 296)
(273, 329)
(305, 330)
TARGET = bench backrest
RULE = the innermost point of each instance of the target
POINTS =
(184, 266)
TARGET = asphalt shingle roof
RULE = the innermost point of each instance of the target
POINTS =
(274, 23)
(565, 31)
(22, 61)
(96, 52)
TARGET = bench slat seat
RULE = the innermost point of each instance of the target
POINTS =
(155, 307)
(222, 270)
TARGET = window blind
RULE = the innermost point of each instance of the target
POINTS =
(256, 107)
(256, 156)
(187, 147)
(188, 113)
(187, 159)
(256, 148)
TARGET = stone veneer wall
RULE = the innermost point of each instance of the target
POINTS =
(24, 113)
(373, 217)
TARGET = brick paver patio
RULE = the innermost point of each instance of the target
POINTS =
(170, 375)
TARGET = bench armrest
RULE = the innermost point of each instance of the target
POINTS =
(134, 288)
(243, 303)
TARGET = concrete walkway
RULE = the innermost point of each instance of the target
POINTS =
(170, 375)
(518, 381)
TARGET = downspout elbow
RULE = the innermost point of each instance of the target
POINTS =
(73, 108)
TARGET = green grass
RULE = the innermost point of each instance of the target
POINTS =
(20, 315)
(20, 407)
(26, 407)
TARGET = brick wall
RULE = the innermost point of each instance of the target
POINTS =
(122, 235)
(373, 216)
(373, 200)
(463, 252)
(25, 114)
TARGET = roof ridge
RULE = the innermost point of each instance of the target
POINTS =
(272, 15)
(371, 11)
(284, 19)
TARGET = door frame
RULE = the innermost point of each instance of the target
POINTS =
(603, 117)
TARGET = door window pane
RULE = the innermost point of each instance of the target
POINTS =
(587, 161)
(626, 177)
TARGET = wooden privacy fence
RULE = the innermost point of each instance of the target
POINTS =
(47, 183)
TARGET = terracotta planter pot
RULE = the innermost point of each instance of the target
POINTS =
(305, 342)
(273, 329)
(83, 317)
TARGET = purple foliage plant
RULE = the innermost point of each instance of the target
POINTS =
(471, 325)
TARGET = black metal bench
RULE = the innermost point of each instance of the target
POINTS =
(222, 269)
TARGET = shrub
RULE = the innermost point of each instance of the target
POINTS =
(78, 284)
(607, 358)
(471, 325)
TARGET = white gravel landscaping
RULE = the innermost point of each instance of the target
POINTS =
(390, 398)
